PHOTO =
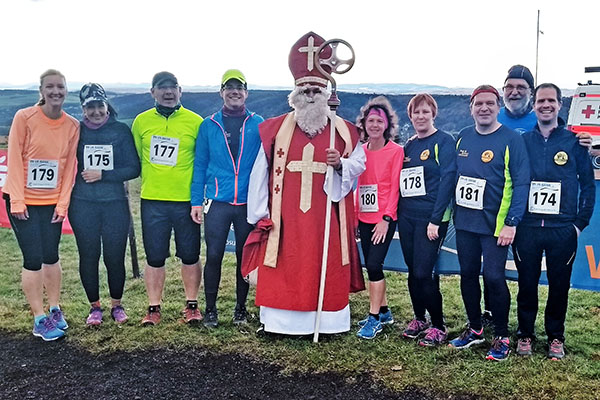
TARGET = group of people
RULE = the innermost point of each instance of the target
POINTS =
(516, 177)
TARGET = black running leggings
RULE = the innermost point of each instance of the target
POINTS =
(471, 247)
(216, 229)
(101, 227)
(420, 255)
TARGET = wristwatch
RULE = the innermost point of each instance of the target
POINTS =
(511, 221)
(387, 218)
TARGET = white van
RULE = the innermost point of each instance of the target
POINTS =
(584, 114)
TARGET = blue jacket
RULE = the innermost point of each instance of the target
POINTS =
(521, 124)
(575, 174)
(218, 174)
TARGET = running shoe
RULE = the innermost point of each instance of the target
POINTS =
(211, 318)
(524, 346)
(556, 350)
(240, 315)
(192, 315)
(46, 329)
(370, 329)
(58, 318)
(384, 318)
(468, 338)
(434, 337)
(95, 317)
(151, 318)
(500, 349)
(415, 328)
(118, 314)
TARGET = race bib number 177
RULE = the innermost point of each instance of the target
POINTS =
(164, 150)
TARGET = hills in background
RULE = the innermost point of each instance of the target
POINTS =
(453, 112)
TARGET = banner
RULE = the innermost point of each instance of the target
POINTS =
(586, 269)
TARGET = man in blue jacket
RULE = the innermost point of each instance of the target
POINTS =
(227, 145)
(560, 204)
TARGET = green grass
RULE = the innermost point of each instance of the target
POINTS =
(389, 359)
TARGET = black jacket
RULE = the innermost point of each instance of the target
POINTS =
(125, 159)
(576, 176)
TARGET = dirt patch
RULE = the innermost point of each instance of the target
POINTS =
(33, 369)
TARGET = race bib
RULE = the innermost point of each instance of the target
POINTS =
(98, 156)
(367, 198)
(544, 197)
(164, 150)
(412, 182)
(469, 192)
(42, 174)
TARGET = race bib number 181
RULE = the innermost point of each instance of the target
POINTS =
(42, 174)
(469, 192)
(164, 150)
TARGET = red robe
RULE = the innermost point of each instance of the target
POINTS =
(294, 283)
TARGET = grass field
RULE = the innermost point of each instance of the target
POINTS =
(389, 359)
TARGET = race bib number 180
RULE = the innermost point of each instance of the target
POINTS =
(469, 192)
(544, 197)
(42, 174)
(367, 198)
(164, 150)
(98, 156)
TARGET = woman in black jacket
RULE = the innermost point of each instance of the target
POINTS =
(99, 209)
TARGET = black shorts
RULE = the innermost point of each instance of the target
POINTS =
(38, 238)
(159, 218)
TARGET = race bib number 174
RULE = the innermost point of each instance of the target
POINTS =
(164, 150)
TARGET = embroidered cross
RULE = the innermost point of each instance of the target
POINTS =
(278, 171)
(277, 189)
(310, 51)
(307, 167)
(280, 153)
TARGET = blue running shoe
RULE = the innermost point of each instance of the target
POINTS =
(385, 319)
(370, 329)
(467, 339)
(500, 349)
(46, 329)
(58, 318)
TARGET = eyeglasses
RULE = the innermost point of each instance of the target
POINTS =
(311, 90)
(234, 87)
(520, 88)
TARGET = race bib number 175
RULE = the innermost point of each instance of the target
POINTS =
(98, 156)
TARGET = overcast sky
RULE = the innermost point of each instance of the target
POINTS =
(449, 43)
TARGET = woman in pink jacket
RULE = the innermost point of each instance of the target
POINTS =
(376, 204)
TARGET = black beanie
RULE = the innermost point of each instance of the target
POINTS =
(520, 72)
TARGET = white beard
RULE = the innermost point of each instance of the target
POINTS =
(311, 114)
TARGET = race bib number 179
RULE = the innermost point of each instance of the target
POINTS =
(42, 174)
(164, 150)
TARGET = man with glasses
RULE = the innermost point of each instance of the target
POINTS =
(226, 148)
(517, 113)
(165, 138)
